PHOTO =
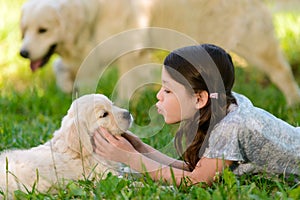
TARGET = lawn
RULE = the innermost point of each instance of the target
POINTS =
(32, 108)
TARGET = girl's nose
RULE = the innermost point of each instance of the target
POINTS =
(159, 95)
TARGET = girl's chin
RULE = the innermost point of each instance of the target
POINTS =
(168, 121)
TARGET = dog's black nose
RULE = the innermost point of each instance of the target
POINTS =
(126, 115)
(24, 53)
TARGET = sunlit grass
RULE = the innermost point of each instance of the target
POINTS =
(288, 31)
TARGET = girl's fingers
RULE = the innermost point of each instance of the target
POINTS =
(102, 137)
(105, 134)
(102, 134)
(98, 140)
(109, 137)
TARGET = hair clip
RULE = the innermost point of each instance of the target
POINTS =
(214, 95)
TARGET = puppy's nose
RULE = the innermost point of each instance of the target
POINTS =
(24, 53)
(127, 115)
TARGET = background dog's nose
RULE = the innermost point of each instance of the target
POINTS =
(126, 115)
(24, 53)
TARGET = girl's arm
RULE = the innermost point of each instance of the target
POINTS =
(119, 149)
(152, 153)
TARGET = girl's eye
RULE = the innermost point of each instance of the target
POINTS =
(167, 91)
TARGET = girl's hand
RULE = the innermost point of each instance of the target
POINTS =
(135, 141)
(110, 147)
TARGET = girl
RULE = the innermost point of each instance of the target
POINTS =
(218, 128)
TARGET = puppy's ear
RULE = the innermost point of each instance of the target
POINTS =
(77, 138)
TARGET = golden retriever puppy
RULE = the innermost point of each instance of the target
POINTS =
(72, 28)
(69, 154)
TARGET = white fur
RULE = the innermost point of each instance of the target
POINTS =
(69, 154)
(242, 26)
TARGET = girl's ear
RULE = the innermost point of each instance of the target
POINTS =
(201, 99)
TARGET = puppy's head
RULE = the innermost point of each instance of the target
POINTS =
(41, 30)
(89, 112)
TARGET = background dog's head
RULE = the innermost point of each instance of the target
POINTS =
(41, 29)
(86, 114)
(49, 27)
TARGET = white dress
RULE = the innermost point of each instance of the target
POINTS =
(257, 140)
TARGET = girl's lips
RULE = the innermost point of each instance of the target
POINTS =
(158, 109)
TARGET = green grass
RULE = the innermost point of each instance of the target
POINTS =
(32, 108)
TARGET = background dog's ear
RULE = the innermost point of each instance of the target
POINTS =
(77, 137)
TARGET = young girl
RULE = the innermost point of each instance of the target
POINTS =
(218, 128)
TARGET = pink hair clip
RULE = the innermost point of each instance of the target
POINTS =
(214, 95)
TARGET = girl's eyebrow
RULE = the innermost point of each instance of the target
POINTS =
(165, 82)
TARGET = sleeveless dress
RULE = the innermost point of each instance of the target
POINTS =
(257, 140)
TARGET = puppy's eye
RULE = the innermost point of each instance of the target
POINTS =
(42, 30)
(104, 114)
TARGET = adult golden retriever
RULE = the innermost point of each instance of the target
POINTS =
(72, 28)
(69, 154)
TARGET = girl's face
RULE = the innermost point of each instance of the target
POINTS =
(174, 102)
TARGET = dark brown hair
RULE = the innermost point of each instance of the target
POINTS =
(199, 68)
